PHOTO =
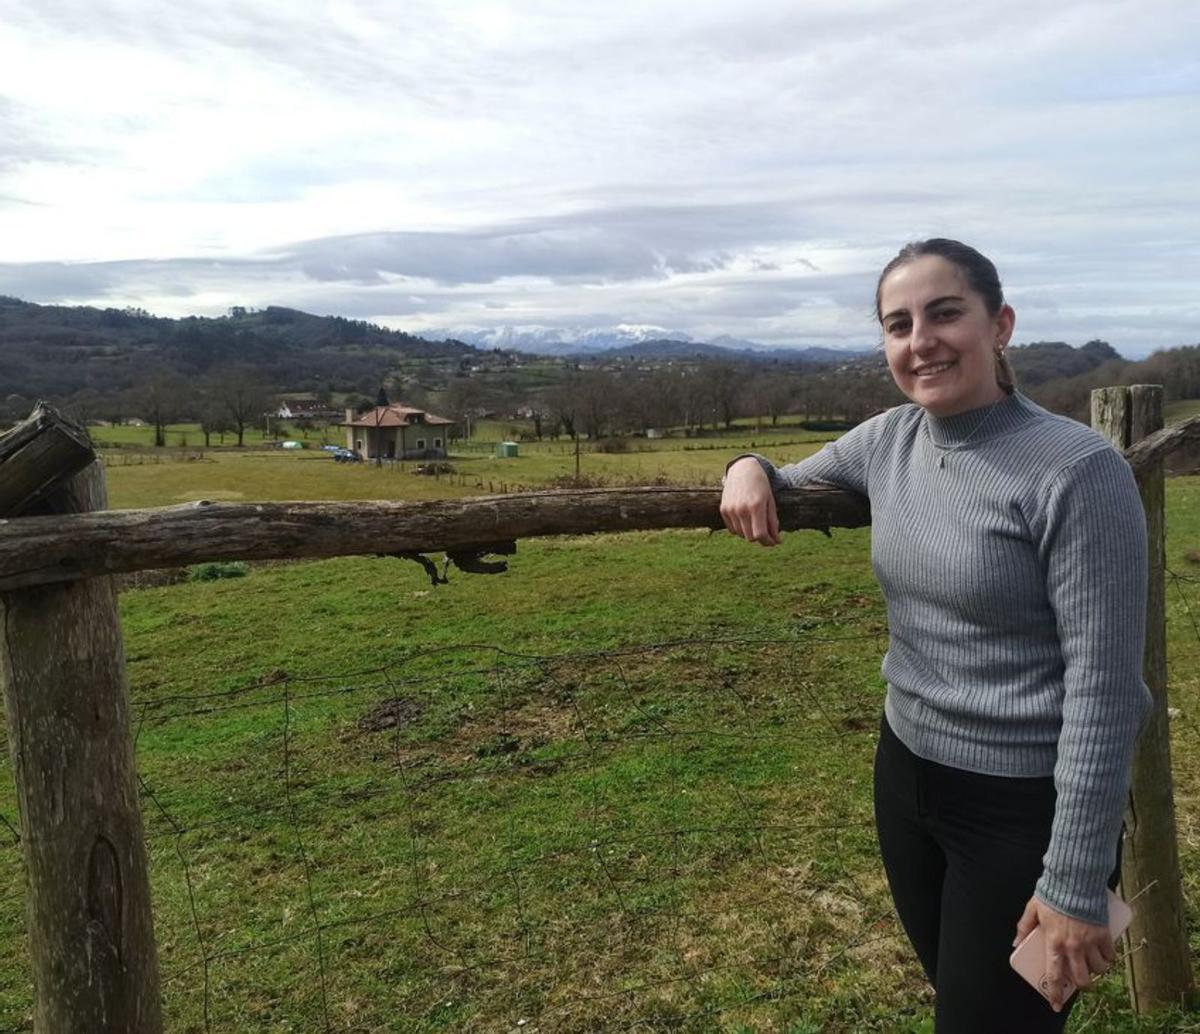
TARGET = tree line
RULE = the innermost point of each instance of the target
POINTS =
(597, 401)
(226, 400)
(709, 395)
(226, 373)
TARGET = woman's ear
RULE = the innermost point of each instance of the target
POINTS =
(1005, 320)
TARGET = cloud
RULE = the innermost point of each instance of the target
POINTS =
(722, 168)
(588, 247)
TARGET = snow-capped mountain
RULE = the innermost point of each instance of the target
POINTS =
(640, 339)
(560, 340)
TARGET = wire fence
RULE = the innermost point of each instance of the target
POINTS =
(668, 836)
(475, 838)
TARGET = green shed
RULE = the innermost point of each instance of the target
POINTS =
(506, 450)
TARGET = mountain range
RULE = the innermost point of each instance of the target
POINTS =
(639, 341)
(62, 351)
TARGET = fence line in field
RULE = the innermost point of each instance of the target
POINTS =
(95, 952)
(285, 695)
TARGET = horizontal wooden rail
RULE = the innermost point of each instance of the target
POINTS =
(1152, 450)
(40, 550)
(45, 549)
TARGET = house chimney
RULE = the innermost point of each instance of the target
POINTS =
(349, 416)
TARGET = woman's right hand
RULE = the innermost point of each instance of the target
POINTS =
(747, 504)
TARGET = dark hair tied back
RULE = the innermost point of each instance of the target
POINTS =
(979, 271)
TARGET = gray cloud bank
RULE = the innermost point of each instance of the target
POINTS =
(711, 167)
(697, 268)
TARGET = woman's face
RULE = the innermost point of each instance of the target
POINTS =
(940, 340)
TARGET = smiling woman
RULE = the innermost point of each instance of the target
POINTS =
(945, 327)
(1010, 544)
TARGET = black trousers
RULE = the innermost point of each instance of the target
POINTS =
(962, 851)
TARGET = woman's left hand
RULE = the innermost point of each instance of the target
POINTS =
(1075, 950)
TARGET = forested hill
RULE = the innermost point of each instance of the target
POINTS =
(56, 351)
(1043, 361)
(89, 359)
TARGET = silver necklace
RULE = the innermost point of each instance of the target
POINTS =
(944, 449)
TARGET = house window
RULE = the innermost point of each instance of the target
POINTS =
(437, 443)
(420, 443)
(358, 445)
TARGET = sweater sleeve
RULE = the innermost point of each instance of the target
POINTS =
(842, 463)
(1093, 550)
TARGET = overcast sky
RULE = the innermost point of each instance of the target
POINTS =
(713, 168)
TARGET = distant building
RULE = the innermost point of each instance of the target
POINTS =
(306, 409)
(397, 432)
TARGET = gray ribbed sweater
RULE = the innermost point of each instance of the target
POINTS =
(1012, 555)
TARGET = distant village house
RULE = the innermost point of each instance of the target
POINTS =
(397, 432)
(306, 409)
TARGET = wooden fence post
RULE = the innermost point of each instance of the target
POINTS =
(1158, 969)
(62, 667)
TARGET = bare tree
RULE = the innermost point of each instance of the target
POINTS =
(644, 397)
(464, 397)
(243, 396)
(161, 399)
(213, 419)
(770, 394)
(563, 404)
(596, 392)
(723, 383)
(693, 396)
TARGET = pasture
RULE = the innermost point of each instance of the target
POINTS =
(1180, 410)
(164, 477)
(623, 786)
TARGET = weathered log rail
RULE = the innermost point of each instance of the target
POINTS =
(41, 550)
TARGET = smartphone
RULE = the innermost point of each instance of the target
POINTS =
(1029, 957)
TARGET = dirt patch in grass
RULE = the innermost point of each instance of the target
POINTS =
(396, 712)
(534, 724)
(510, 737)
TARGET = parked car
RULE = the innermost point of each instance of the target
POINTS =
(341, 455)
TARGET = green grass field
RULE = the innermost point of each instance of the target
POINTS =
(624, 785)
(484, 433)
(1180, 410)
(189, 436)
(164, 477)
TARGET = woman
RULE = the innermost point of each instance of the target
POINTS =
(1010, 544)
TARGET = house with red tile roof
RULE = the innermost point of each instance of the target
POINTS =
(397, 432)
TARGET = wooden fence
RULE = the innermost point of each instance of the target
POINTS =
(90, 923)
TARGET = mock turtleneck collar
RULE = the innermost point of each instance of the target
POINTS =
(978, 425)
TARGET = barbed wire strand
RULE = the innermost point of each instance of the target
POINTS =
(655, 727)
(567, 678)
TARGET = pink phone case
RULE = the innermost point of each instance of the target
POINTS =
(1029, 957)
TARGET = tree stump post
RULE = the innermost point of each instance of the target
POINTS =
(62, 668)
(1158, 966)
